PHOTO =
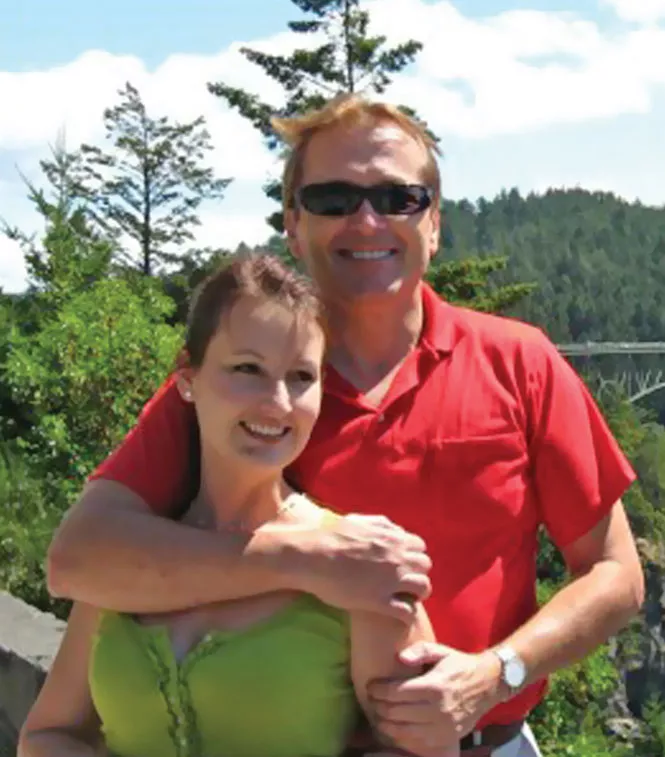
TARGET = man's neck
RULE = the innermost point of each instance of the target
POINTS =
(370, 342)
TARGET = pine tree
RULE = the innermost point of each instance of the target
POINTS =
(71, 255)
(468, 282)
(347, 60)
(148, 187)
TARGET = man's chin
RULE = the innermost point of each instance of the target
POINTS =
(376, 293)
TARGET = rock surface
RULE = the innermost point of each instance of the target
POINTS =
(29, 640)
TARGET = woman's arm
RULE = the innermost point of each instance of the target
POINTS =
(376, 641)
(63, 721)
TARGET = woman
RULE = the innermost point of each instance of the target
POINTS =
(278, 675)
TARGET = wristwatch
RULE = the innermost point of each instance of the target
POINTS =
(513, 669)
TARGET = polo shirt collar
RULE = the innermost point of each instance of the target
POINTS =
(438, 337)
(440, 332)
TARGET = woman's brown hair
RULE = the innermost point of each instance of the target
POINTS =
(255, 274)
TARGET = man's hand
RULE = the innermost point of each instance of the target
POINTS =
(365, 563)
(424, 715)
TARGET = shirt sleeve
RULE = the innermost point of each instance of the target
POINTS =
(578, 468)
(158, 459)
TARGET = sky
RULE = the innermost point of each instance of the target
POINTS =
(532, 95)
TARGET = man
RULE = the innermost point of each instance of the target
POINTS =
(463, 428)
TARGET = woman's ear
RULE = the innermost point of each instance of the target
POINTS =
(184, 386)
(183, 377)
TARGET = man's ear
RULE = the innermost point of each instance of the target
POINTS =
(290, 221)
(435, 233)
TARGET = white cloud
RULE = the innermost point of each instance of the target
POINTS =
(72, 99)
(71, 96)
(228, 231)
(513, 72)
(524, 69)
(639, 11)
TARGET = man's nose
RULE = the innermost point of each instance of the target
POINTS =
(366, 219)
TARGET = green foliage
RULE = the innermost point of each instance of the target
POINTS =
(27, 521)
(88, 371)
(80, 353)
(348, 60)
(148, 187)
(467, 282)
(642, 441)
(583, 688)
(70, 256)
(598, 260)
(654, 717)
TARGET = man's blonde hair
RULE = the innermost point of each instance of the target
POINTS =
(347, 110)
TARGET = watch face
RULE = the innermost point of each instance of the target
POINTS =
(515, 673)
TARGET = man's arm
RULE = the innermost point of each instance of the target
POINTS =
(606, 590)
(113, 552)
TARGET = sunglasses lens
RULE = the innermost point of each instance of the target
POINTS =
(330, 199)
(401, 199)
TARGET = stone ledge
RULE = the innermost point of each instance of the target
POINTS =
(29, 640)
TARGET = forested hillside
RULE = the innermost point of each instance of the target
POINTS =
(599, 261)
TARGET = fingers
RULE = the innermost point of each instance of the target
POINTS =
(409, 541)
(413, 587)
(401, 714)
(398, 609)
(419, 690)
(424, 653)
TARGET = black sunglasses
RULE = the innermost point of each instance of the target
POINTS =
(340, 198)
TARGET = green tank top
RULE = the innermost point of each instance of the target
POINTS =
(280, 688)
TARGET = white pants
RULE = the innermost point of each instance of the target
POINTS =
(523, 745)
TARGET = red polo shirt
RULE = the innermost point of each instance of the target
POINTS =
(485, 433)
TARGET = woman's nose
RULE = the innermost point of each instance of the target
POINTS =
(278, 397)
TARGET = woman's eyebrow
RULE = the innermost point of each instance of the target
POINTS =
(249, 351)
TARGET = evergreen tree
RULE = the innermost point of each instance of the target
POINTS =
(150, 184)
(71, 255)
(347, 60)
(467, 282)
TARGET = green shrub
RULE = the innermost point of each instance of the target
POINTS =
(82, 378)
(27, 521)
